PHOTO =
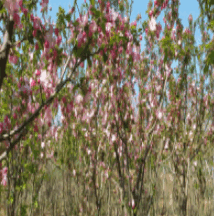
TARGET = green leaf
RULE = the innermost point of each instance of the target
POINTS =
(105, 57)
(103, 27)
(206, 69)
(97, 13)
(165, 56)
(92, 2)
(89, 62)
(210, 58)
(68, 17)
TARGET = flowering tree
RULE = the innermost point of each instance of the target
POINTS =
(115, 143)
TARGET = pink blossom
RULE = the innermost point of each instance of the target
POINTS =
(16, 18)
(92, 27)
(58, 40)
(13, 59)
(14, 116)
(72, 10)
(25, 11)
(44, 78)
(134, 23)
(36, 23)
(156, 3)
(44, 3)
(38, 72)
(34, 32)
(56, 31)
(36, 46)
(4, 181)
(159, 114)
(32, 82)
(150, 13)
(12, 6)
(84, 20)
(133, 204)
(1, 127)
(190, 18)
(108, 26)
(46, 44)
(79, 98)
(114, 15)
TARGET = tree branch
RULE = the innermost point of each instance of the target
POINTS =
(4, 52)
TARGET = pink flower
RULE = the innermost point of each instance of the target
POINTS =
(46, 44)
(32, 82)
(44, 3)
(79, 98)
(108, 26)
(156, 3)
(25, 11)
(56, 31)
(38, 72)
(4, 182)
(13, 59)
(36, 46)
(1, 127)
(84, 20)
(150, 13)
(190, 18)
(82, 64)
(16, 18)
(14, 116)
(4, 171)
(58, 40)
(140, 37)
(31, 17)
(12, 6)
(72, 10)
(34, 32)
(36, 23)
(159, 114)
(133, 204)
(134, 23)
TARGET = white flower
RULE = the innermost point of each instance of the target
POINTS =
(113, 138)
(126, 19)
(108, 26)
(42, 144)
(152, 24)
(159, 114)
(42, 155)
(79, 98)
(114, 15)
(191, 135)
(44, 78)
(142, 144)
